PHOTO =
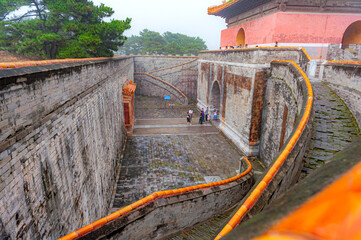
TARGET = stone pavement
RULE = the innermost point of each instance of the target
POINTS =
(334, 127)
(166, 153)
(176, 126)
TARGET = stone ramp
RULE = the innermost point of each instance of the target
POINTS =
(334, 127)
(207, 230)
(160, 162)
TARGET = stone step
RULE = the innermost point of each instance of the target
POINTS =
(334, 127)
(182, 130)
(206, 230)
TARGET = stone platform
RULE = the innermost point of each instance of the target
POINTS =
(166, 153)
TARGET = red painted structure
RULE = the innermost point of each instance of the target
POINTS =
(312, 31)
(128, 103)
(292, 23)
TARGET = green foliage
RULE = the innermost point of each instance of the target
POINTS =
(61, 29)
(153, 43)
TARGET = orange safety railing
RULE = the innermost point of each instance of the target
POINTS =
(306, 53)
(48, 62)
(150, 198)
(174, 87)
(345, 62)
(257, 192)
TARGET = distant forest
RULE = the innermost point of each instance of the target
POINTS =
(153, 43)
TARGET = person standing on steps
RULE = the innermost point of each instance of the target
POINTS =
(190, 112)
(215, 115)
(188, 119)
(201, 116)
(206, 114)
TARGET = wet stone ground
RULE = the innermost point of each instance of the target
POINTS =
(156, 159)
(334, 127)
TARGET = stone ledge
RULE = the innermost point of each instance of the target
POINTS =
(167, 216)
(17, 72)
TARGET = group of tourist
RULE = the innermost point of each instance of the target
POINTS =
(203, 117)
(240, 46)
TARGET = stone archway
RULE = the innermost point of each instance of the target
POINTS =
(215, 96)
(241, 37)
(352, 34)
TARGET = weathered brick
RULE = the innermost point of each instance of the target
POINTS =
(37, 167)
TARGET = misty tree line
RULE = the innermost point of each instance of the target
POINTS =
(153, 43)
(77, 29)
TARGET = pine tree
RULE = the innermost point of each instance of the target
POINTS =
(61, 29)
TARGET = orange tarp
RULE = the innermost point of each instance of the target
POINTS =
(333, 214)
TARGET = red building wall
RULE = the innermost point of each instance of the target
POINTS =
(295, 29)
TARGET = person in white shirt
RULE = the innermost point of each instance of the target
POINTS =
(191, 115)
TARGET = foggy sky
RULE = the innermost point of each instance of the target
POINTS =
(187, 17)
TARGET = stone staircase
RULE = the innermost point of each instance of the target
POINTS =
(334, 127)
(207, 230)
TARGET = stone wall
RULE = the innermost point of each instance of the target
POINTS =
(149, 85)
(183, 76)
(241, 76)
(351, 53)
(258, 55)
(345, 80)
(239, 99)
(282, 106)
(62, 128)
(286, 74)
(151, 63)
(165, 217)
(181, 72)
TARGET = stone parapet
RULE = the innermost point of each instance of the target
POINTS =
(350, 53)
(289, 172)
(345, 79)
(258, 55)
(30, 93)
(165, 217)
(58, 156)
(153, 63)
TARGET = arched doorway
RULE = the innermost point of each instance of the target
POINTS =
(352, 34)
(215, 96)
(241, 37)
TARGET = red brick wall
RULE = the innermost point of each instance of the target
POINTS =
(291, 28)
